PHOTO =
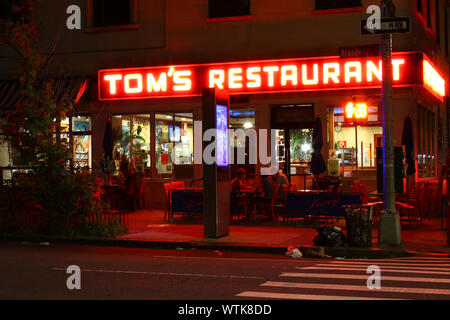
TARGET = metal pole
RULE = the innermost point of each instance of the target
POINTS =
(390, 231)
(362, 154)
(356, 145)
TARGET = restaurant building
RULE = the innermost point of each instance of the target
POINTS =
(282, 63)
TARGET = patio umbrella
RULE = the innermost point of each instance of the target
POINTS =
(107, 164)
(408, 142)
(317, 163)
(108, 140)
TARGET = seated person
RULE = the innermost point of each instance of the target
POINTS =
(239, 183)
(263, 194)
(280, 181)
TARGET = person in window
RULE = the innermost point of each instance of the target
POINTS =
(280, 181)
(262, 195)
(239, 183)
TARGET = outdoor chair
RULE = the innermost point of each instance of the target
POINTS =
(167, 213)
(358, 187)
(272, 207)
(410, 207)
(238, 206)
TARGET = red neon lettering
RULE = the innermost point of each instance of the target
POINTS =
(270, 75)
(112, 78)
(396, 66)
(161, 85)
(182, 80)
(137, 78)
(216, 78)
(315, 79)
(289, 73)
(352, 70)
(373, 70)
(254, 77)
(235, 78)
(327, 74)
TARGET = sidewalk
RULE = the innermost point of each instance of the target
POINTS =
(147, 226)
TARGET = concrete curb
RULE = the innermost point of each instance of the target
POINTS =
(308, 252)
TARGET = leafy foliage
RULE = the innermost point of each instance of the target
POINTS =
(51, 192)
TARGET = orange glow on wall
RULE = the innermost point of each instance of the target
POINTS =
(265, 76)
(432, 81)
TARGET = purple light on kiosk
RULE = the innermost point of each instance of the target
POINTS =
(222, 136)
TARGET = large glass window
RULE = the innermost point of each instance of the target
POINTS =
(174, 144)
(79, 129)
(132, 141)
(355, 145)
(426, 143)
(244, 119)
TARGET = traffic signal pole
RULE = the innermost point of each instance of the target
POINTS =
(389, 230)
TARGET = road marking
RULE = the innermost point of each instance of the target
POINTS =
(399, 260)
(353, 288)
(165, 273)
(380, 263)
(355, 277)
(338, 267)
(231, 259)
(278, 295)
(382, 270)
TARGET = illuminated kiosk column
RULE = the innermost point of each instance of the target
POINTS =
(216, 175)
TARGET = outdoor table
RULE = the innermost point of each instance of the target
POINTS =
(318, 203)
(304, 174)
(186, 200)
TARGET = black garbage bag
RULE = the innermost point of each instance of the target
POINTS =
(329, 237)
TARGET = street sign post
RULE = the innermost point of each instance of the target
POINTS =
(389, 225)
(388, 25)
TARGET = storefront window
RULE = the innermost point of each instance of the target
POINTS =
(174, 133)
(141, 143)
(79, 127)
(132, 141)
(244, 119)
(353, 144)
(426, 148)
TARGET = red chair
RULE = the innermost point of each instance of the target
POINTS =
(178, 185)
(100, 191)
(167, 212)
(358, 187)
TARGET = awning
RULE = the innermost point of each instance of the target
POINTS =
(66, 88)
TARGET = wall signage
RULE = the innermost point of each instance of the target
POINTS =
(266, 76)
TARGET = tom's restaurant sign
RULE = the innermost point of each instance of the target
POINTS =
(268, 76)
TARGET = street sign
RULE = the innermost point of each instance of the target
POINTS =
(388, 25)
(359, 51)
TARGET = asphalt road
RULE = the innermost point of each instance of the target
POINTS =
(38, 271)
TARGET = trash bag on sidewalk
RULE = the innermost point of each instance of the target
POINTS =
(329, 237)
(293, 253)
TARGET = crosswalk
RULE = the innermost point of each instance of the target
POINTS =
(400, 278)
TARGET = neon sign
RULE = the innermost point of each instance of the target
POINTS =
(356, 111)
(265, 76)
(432, 81)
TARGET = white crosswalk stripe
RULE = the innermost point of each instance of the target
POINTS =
(403, 278)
